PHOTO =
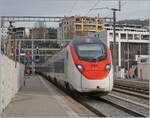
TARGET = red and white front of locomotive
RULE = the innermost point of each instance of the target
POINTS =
(93, 62)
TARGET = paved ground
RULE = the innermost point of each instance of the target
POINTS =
(37, 98)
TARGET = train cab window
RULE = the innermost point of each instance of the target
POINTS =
(91, 52)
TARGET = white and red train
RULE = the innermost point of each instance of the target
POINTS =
(85, 65)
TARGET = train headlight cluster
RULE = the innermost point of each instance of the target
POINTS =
(108, 67)
(80, 67)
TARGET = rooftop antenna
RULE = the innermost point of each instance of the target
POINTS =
(98, 15)
(119, 9)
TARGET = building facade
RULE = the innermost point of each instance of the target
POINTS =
(22, 32)
(3, 37)
(79, 26)
(39, 33)
(3, 33)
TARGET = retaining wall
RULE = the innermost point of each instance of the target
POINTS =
(11, 80)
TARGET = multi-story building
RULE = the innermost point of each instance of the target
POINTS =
(22, 32)
(3, 33)
(3, 37)
(79, 26)
(39, 33)
(131, 41)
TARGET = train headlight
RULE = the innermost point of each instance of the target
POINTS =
(108, 67)
(80, 67)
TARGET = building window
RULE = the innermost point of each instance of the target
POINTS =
(117, 35)
(130, 36)
(100, 28)
(123, 36)
(137, 36)
(111, 34)
(144, 37)
(78, 20)
(78, 27)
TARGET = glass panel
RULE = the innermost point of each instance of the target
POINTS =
(137, 36)
(144, 37)
(91, 51)
(123, 36)
(130, 36)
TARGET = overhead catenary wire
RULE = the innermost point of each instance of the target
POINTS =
(93, 8)
(96, 3)
(73, 7)
(122, 5)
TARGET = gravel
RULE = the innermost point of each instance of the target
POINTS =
(106, 108)
(128, 105)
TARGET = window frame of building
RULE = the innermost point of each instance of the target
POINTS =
(130, 36)
(136, 36)
(111, 34)
(146, 38)
(123, 37)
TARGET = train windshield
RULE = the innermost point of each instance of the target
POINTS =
(91, 52)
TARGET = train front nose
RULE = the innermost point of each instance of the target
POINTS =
(94, 71)
(91, 57)
(95, 77)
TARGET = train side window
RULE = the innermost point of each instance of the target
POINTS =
(67, 54)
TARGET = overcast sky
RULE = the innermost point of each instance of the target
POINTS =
(131, 9)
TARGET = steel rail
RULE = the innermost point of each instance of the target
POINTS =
(133, 84)
(131, 93)
(129, 101)
(132, 89)
(130, 111)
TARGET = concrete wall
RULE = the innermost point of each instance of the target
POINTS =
(11, 79)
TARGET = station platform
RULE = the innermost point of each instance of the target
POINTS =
(40, 98)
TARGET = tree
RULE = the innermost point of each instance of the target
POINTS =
(52, 33)
(40, 31)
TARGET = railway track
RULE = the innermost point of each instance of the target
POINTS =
(132, 93)
(94, 105)
(130, 106)
(135, 86)
(111, 99)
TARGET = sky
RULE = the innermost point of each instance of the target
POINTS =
(131, 9)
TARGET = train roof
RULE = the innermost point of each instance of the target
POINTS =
(86, 39)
